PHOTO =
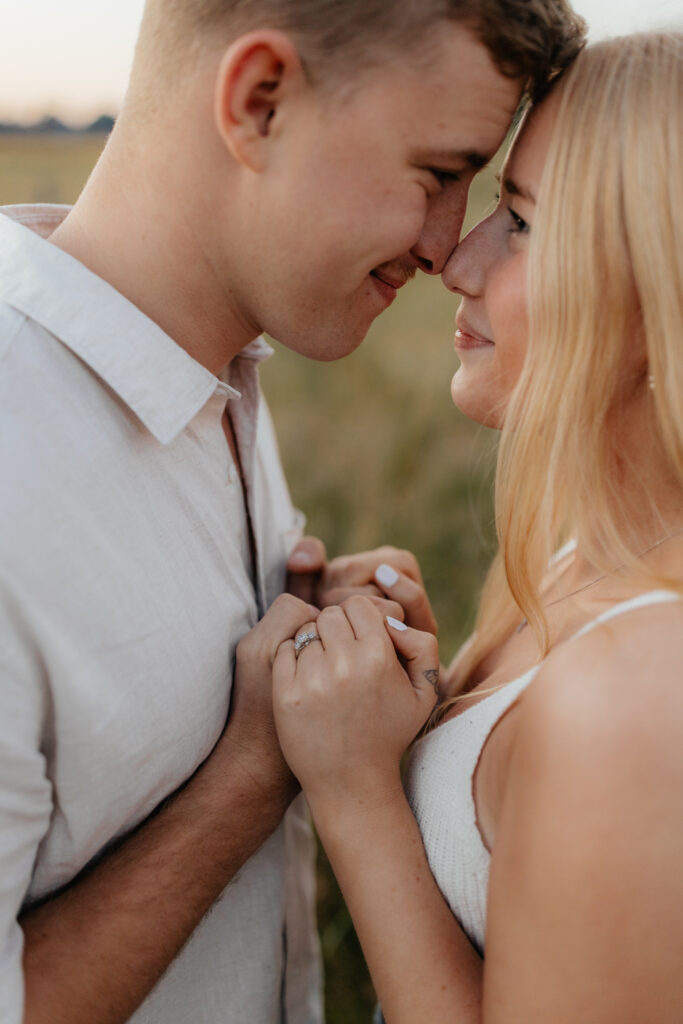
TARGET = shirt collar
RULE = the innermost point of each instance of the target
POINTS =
(157, 379)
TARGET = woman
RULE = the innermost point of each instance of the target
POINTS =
(548, 791)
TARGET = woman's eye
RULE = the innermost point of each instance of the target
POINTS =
(520, 226)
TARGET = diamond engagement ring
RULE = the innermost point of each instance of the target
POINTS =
(303, 640)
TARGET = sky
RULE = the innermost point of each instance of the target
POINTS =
(71, 58)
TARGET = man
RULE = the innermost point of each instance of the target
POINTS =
(280, 166)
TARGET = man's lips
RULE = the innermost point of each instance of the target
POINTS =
(393, 281)
(387, 290)
(388, 283)
(466, 337)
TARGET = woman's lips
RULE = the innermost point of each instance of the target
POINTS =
(466, 338)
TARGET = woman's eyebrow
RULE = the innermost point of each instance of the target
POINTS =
(514, 189)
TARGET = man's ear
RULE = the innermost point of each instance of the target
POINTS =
(257, 74)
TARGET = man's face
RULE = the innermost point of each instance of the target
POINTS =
(364, 189)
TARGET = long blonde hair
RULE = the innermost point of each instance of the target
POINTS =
(605, 267)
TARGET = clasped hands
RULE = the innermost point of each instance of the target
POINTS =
(340, 712)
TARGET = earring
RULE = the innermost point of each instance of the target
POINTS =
(651, 381)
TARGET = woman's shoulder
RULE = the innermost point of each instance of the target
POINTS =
(624, 648)
(611, 694)
(587, 853)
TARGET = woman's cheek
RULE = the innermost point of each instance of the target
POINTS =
(509, 317)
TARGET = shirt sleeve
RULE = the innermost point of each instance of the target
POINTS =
(25, 801)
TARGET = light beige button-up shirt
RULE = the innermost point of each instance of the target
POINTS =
(125, 584)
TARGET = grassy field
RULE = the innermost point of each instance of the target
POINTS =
(375, 453)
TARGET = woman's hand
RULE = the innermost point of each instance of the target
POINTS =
(386, 572)
(251, 728)
(346, 708)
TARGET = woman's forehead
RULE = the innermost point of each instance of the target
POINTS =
(526, 159)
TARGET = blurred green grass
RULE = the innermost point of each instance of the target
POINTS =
(375, 453)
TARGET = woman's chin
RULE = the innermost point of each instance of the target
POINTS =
(481, 405)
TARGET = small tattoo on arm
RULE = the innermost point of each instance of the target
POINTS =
(432, 677)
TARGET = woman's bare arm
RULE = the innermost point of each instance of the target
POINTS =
(422, 964)
(345, 712)
(585, 914)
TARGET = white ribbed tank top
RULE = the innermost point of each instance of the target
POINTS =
(439, 786)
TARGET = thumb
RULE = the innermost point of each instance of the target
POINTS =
(308, 555)
(305, 566)
(283, 619)
(420, 653)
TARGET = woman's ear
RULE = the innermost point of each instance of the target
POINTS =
(257, 75)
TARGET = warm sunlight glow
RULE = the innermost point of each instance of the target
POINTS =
(72, 59)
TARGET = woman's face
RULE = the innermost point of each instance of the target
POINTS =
(488, 269)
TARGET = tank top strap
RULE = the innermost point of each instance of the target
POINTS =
(650, 597)
(439, 784)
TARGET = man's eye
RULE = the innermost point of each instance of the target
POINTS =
(444, 177)
(520, 226)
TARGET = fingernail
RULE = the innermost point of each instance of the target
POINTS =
(386, 576)
(397, 624)
(300, 558)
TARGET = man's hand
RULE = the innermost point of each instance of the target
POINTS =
(305, 567)
(94, 951)
(250, 731)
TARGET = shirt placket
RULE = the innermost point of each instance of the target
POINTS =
(244, 415)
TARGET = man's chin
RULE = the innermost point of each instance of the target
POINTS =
(327, 348)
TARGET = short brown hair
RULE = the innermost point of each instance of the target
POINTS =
(532, 40)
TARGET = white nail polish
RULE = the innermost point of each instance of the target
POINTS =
(397, 624)
(386, 576)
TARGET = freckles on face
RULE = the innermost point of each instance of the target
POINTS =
(443, 222)
(350, 200)
(394, 216)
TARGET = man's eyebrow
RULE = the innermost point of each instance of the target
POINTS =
(447, 157)
(516, 190)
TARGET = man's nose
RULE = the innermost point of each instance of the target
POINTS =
(441, 231)
(466, 268)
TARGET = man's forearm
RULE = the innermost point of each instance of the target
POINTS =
(94, 952)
